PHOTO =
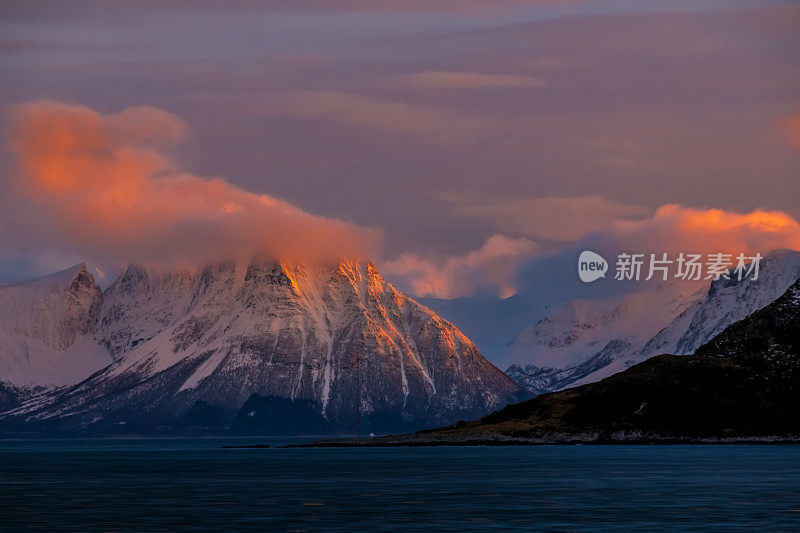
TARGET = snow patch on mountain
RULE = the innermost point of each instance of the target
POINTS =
(585, 341)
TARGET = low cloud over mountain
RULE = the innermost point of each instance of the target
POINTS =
(106, 186)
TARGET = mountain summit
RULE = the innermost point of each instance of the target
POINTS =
(45, 325)
(266, 346)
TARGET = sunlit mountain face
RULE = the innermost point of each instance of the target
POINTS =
(226, 347)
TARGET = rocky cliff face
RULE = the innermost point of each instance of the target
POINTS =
(336, 341)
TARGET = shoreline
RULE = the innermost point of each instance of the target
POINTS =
(576, 442)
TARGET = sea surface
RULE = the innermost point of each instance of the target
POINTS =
(195, 485)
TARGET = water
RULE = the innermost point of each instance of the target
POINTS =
(192, 484)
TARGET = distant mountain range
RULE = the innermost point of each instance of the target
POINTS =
(586, 340)
(583, 341)
(744, 384)
(262, 347)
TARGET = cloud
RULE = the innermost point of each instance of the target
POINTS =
(503, 264)
(25, 11)
(491, 268)
(449, 79)
(792, 126)
(423, 6)
(104, 186)
(555, 218)
(674, 229)
(385, 115)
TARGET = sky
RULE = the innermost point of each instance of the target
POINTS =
(451, 142)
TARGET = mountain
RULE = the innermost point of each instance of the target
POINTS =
(727, 301)
(232, 346)
(543, 283)
(591, 339)
(744, 384)
(45, 332)
(586, 340)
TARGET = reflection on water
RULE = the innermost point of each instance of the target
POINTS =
(193, 484)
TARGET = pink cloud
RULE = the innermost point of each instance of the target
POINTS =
(491, 267)
(674, 228)
(104, 185)
(670, 229)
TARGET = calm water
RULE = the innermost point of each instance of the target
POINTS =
(167, 485)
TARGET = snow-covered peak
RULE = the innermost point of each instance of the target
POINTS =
(44, 330)
(336, 336)
(584, 341)
(54, 309)
(578, 329)
(727, 301)
(60, 278)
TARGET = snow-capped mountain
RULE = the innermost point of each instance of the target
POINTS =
(587, 340)
(727, 301)
(223, 345)
(45, 331)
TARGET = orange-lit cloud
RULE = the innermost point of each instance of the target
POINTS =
(670, 229)
(674, 228)
(104, 186)
(492, 268)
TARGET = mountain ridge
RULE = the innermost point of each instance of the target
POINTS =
(339, 337)
(675, 325)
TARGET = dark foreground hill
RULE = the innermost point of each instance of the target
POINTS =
(742, 385)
